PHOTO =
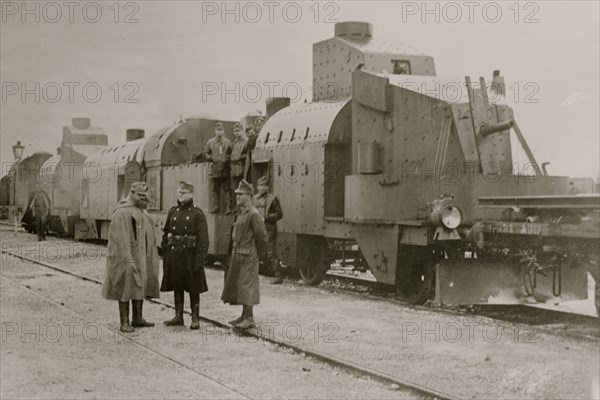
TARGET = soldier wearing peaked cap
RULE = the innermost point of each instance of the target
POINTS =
(252, 138)
(238, 157)
(248, 241)
(185, 246)
(269, 208)
(218, 151)
(132, 259)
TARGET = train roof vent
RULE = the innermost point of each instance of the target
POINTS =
(81, 123)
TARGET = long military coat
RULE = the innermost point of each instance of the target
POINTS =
(248, 240)
(40, 205)
(183, 263)
(132, 259)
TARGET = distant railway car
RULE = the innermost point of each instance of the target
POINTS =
(61, 175)
(5, 183)
(161, 160)
(21, 183)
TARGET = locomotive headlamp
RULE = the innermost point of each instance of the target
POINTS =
(451, 217)
(443, 212)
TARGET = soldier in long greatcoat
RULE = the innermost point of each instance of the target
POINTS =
(40, 207)
(184, 247)
(248, 241)
(132, 259)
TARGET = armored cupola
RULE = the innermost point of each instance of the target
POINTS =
(354, 31)
(353, 44)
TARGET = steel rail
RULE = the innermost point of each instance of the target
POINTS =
(329, 359)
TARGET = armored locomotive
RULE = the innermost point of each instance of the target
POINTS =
(396, 159)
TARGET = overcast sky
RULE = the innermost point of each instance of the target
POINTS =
(548, 53)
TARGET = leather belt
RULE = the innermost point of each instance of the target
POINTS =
(243, 252)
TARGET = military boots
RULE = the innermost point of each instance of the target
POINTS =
(178, 320)
(195, 305)
(124, 317)
(138, 320)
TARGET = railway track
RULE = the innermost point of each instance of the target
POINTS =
(355, 369)
(554, 321)
(149, 349)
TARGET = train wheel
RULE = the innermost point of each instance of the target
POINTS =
(312, 258)
(313, 273)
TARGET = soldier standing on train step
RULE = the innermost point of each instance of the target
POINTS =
(248, 241)
(238, 158)
(252, 138)
(41, 209)
(268, 206)
(184, 247)
(132, 257)
(218, 150)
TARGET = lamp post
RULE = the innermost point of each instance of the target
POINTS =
(17, 154)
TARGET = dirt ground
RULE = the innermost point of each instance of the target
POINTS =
(59, 341)
(465, 356)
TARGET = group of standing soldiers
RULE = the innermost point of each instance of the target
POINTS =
(132, 261)
(230, 162)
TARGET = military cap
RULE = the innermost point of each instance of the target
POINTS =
(183, 185)
(218, 124)
(237, 125)
(263, 180)
(245, 188)
(139, 187)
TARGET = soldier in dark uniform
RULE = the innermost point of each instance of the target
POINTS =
(252, 137)
(268, 206)
(184, 247)
(218, 150)
(248, 241)
(41, 209)
(238, 157)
